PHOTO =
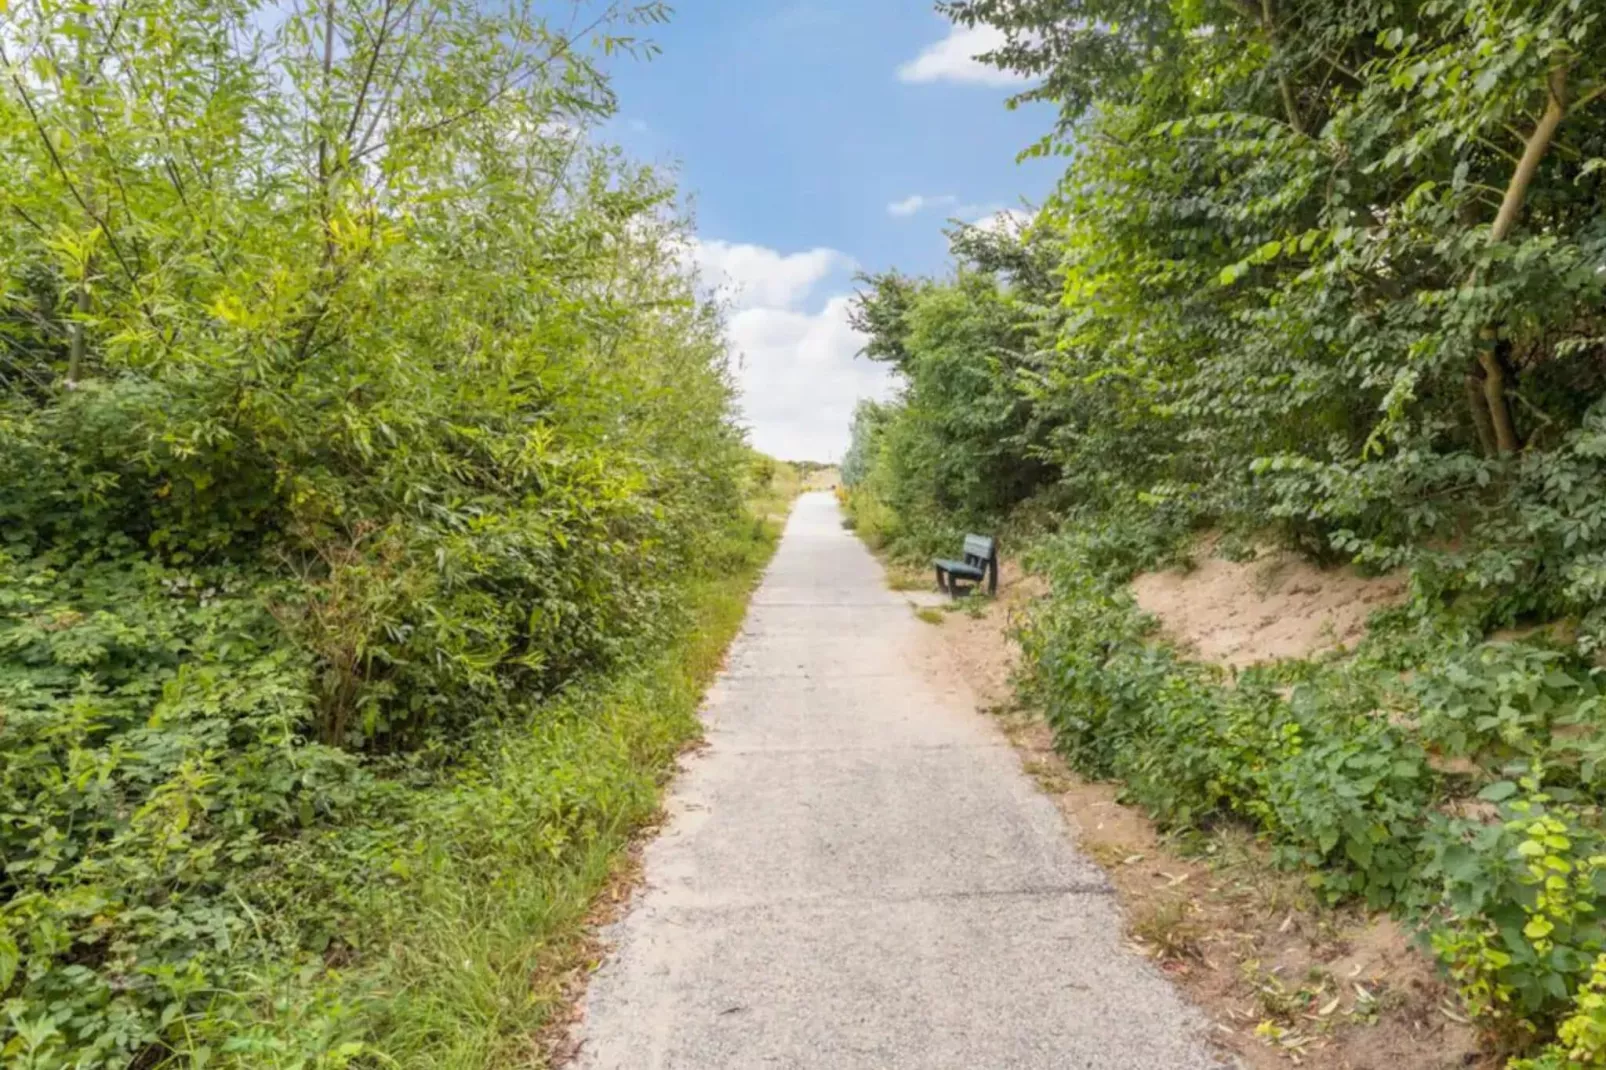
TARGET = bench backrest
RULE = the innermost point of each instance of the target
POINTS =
(979, 549)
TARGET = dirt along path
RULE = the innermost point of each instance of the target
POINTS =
(856, 872)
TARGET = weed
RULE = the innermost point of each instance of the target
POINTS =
(1168, 926)
(1049, 775)
(1107, 854)
(973, 605)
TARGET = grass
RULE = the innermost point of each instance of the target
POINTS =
(901, 577)
(973, 604)
(772, 499)
(929, 615)
(477, 950)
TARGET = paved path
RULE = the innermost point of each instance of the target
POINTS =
(857, 873)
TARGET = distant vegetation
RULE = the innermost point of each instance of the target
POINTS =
(371, 515)
(1331, 275)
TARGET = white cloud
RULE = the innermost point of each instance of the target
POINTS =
(797, 372)
(1006, 219)
(917, 202)
(800, 379)
(753, 276)
(953, 59)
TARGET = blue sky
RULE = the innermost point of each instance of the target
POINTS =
(812, 138)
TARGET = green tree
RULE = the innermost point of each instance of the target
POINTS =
(964, 444)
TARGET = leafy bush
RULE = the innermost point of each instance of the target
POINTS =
(1582, 1037)
(1327, 274)
(363, 443)
(1334, 787)
(1522, 898)
(1335, 763)
(962, 447)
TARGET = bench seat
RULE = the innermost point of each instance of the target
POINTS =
(979, 560)
(960, 568)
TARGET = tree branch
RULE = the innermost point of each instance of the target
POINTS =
(373, 64)
(562, 48)
(328, 69)
(1269, 24)
(61, 168)
(361, 148)
(1532, 152)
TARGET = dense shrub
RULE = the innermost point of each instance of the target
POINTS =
(962, 446)
(357, 422)
(1329, 275)
(1306, 754)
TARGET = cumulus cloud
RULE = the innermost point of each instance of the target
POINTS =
(917, 202)
(953, 59)
(796, 369)
(753, 276)
(800, 379)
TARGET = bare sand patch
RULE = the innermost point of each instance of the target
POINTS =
(1276, 606)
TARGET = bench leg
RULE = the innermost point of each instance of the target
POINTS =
(941, 585)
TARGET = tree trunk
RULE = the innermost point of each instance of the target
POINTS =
(1494, 377)
(1268, 21)
(1478, 406)
(1494, 392)
(1532, 152)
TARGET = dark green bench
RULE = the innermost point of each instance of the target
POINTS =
(980, 560)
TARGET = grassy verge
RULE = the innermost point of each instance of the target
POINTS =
(460, 904)
(771, 487)
(500, 917)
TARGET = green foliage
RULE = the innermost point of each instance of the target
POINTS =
(1330, 274)
(1298, 755)
(1503, 700)
(961, 447)
(1523, 897)
(1308, 755)
(1304, 277)
(365, 454)
(768, 485)
(462, 889)
(1582, 1037)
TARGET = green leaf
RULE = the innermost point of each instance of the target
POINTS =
(10, 958)
(1499, 791)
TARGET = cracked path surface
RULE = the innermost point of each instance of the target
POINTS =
(857, 873)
